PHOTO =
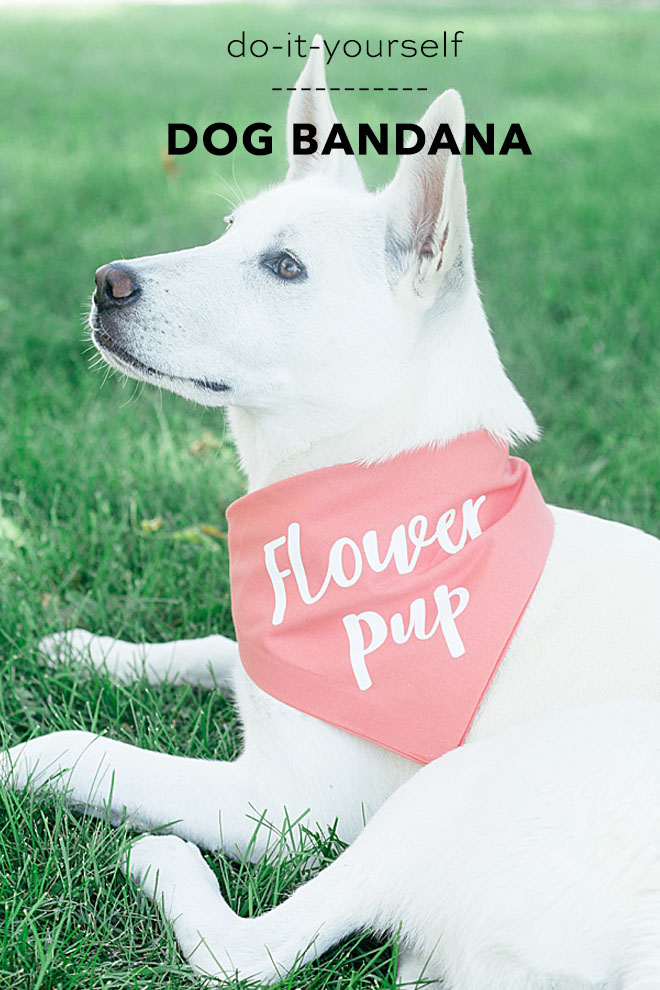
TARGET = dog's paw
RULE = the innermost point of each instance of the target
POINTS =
(54, 758)
(173, 874)
(74, 644)
(151, 863)
(97, 652)
(167, 868)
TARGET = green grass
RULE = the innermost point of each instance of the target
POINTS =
(567, 253)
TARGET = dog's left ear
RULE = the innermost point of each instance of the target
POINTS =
(310, 104)
(428, 233)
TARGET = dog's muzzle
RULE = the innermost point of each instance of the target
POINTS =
(116, 287)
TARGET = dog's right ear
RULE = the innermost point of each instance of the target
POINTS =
(428, 233)
(310, 104)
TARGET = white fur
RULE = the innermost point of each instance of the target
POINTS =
(383, 347)
(529, 860)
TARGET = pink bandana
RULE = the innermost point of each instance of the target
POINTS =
(381, 598)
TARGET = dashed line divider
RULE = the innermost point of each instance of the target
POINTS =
(349, 89)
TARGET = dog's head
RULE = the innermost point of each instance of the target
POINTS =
(316, 297)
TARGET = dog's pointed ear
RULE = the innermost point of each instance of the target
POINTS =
(428, 233)
(310, 104)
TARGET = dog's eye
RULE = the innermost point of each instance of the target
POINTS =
(285, 266)
(288, 267)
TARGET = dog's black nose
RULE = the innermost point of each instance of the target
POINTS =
(115, 286)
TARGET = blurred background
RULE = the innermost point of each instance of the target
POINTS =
(112, 497)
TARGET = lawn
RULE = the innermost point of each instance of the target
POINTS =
(567, 254)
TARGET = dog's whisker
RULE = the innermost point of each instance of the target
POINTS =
(129, 400)
(212, 192)
(241, 194)
(228, 185)
(233, 187)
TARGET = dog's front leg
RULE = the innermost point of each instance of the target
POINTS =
(208, 662)
(215, 804)
(219, 943)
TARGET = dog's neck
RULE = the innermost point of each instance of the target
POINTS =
(455, 384)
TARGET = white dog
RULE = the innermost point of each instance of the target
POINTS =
(339, 325)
